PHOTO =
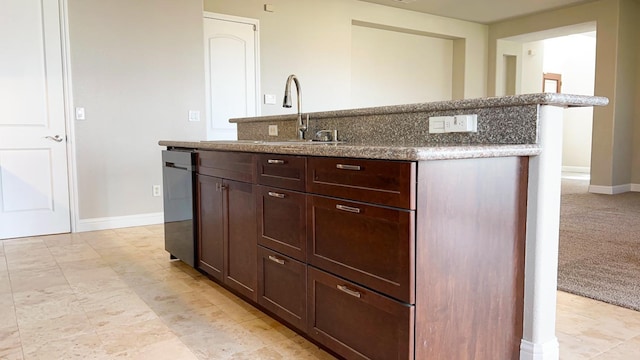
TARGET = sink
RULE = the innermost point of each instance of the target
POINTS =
(263, 142)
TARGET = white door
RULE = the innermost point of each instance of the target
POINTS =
(231, 69)
(34, 195)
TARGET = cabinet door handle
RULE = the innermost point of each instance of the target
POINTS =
(348, 208)
(275, 161)
(276, 260)
(345, 289)
(348, 167)
(276, 195)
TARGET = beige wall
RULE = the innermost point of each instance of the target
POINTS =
(611, 149)
(137, 69)
(313, 40)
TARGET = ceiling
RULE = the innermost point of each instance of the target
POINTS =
(480, 11)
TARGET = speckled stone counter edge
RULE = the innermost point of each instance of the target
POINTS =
(409, 153)
(563, 100)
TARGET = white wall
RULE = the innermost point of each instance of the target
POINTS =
(313, 39)
(137, 69)
(574, 57)
(385, 72)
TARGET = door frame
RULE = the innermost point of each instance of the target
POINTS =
(256, 42)
(72, 177)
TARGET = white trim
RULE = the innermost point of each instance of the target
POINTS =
(612, 190)
(119, 222)
(549, 350)
(635, 187)
(70, 125)
(577, 169)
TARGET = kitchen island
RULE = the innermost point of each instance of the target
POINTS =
(397, 242)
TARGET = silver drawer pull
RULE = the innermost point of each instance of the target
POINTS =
(348, 167)
(348, 208)
(345, 289)
(276, 260)
(275, 161)
(276, 195)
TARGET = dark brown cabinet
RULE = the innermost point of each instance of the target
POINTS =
(282, 287)
(227, 241)
(356, 322)
(373, 259)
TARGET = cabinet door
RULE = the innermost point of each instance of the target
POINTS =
(241, 235)
(371, 245)
(210, 226)
(282, 287)
(358, 323)
(282, 221)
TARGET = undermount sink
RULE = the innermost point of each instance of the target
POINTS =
(264, 142)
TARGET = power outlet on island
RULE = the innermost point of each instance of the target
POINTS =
(273, 130)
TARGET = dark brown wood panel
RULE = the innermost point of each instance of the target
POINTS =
(391, 183)
(210, 226)
(227, 165)
(282, 216)
(241, 247)
(284, 171)
(371, 245)
(282, 287)
(470, 258)
(358, 323)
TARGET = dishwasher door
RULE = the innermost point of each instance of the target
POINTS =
(178, 184)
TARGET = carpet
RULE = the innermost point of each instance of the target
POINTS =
(599, 255)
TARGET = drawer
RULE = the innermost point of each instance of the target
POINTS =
(391, 183)
(228, 165)
(358, 323)
(282, 287)
(283, 171)
(282, 216)
(371, 245)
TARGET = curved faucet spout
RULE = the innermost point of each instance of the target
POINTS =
(286, 102)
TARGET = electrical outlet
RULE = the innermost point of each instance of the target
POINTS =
(157, 190)
(273, 130)
(194, 115)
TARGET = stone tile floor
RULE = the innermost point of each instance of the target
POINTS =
(114, 294)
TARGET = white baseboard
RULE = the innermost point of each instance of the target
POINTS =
(549, 350)
(611, 190)
(635, 187)
(119, 222)
(577, 169)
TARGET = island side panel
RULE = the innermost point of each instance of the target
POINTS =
(471, 229)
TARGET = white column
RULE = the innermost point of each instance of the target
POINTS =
(539, 341)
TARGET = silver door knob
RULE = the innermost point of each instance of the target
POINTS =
(56, 138)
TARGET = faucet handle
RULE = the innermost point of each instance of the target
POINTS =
(326, 135)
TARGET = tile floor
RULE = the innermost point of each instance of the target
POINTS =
(115, 295)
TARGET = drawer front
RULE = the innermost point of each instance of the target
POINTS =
(368, 244)
(228, 165)
(389, 183)
(282, 287)
(282, 217)
(283, 171)
(358, 323)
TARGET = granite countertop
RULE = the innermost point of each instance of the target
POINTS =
(562, 100)
(387, 152)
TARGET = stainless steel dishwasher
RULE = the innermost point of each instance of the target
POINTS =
(178, 180)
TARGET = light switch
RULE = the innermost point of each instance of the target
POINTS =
(269, 99)
(80, 113)
(194, 115)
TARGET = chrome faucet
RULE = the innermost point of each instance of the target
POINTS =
(287, 103)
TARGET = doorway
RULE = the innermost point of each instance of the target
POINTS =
(232, 72)
(34, 183)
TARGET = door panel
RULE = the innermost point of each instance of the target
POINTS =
(34, 196)
(211, 225)
(230, 69)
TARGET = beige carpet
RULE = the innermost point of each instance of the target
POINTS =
(600, 245)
